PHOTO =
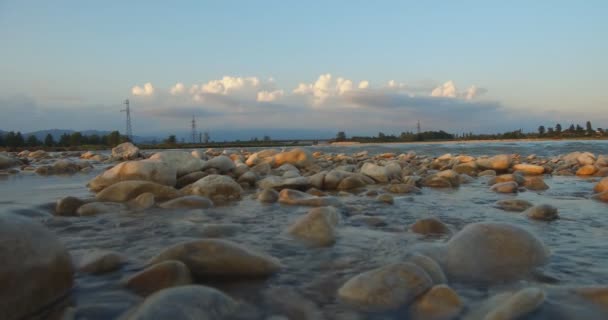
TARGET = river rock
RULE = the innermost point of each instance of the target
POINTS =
(508, 178)
(248, 177)
(190, 178)
(317, 226)
(487, 173)
(143, 201)
(535, 183)
(466, 168)
(191, 302)
(386, 288)
(332, 179)
(595, 294)
(492, 251)
(268, 196)
(505, 187)
(127, 190)
(385, 198)
(187, 202)
(402, 188)
(95, 208)
(7, 162)
(375, 172)
(435, 181)
(278, 183)
(199, 154)
(222, 163)
(67, 206)
(438, 303)
(429, 226)
(585, 158)
(38, 154)
(295, 197)
(36, 268)
(516, 205)
(586, 170)
(499, 163)
(545, 212)
(265, 156)
(517, 305)
(602, 161)
(602, 196)
(160, 276)
(215, 187)
(430, 266)
(372, 221)
(354, 181)
(101, 261)
(220, 258)
(601, 186)
(529, 169)
(182, 161)
(298, 157)
(147, 170)
(125, 151)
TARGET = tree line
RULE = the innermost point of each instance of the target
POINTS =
(14, 140)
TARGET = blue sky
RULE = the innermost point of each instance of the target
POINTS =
(71, 63)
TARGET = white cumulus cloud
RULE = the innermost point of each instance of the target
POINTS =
(448, 90)
(364, 84)
(228, 84)
(146, 90)
(269, 96)
(177, 89)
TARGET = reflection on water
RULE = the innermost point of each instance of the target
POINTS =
(312, 275)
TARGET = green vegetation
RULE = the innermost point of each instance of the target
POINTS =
(14, 140)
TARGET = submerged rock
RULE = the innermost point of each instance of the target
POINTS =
(535, 183)
(36, 268)
(545, 212)
(517, 305)
(95, 208)
(101, 261)
(505, 187)
(516, 205)
(428, 226)
(295, 197)
(317, 226)
(187, 202)
(159, 276)
(67, 206)
(220, 258)
(268, 196)
(385, 198)
(438, 303)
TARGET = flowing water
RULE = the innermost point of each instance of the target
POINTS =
(306, 287)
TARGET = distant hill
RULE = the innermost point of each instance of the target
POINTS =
(57, 133)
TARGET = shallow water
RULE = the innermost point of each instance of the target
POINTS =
(306, 287)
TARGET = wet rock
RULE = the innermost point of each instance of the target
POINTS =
(518, 178)
(293, 305)
(521, 303)
(535, 183)
(354, 181)
(601, 186)
(220, 258)
(278, 183)
(505, 187)
(125, 151)
(191, 302)
(95, 208)
(371, 221)
(602, 161)
(499, 163)
(529, 169)
(466, 168)
(160, 276)
(298, 157)
(602, 196)
(143, 201)
(101, 261)
(317, 226)
(127, 190)
(587, 170)
(385, 198)
(217, 230)
(187, 202)
(487, 173)
(248, 177)
(430, 266)
(376, 172)
(295, 197)
(36, 269)
(221, 163)
(402, 188)
(268, 196)
(385, 288)
(438, 303)
(515, 205)
(595, 294)
(38, 154)
(544, 212)
(190, 178)
(491, 252)
(585, 158)
(429, 226)
(332, 179)
(147, 170)
(67, 206)
(183, 162)
(264, 156)
(215, 187)
(262, 169)
(435, 181)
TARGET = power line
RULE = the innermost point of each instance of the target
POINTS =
(129, 129)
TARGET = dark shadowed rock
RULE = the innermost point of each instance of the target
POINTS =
(159, 276)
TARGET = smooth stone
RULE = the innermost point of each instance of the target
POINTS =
(386, 288)
(186, 202)
(147, 170)
(159, 276)
(220, 258)
(36, 268)
(529, 169)
(262, 169)
(190, 178)
(101, 261)
(125, 151)
(516, 177)
(127, 190)
(499, 163)
(221, 163)
(298, 157)
(354, 181)
(332, 179)
(190, 302)
(586, 170)
(402, 188)
(371, 221)
(278, 183)
(544, 212)
(95, 208)
(430, 266)
(248, 177)
(143, 201)
(595, 294)
(376, 172)
(535, 183)
(268, 196)
(262, 157)
(439, 303)
(466, 168)
(492, 252)
(434, 181)
(602, 196)
(68, 206)
(182, 161)
(521, 303)
(38, 154)
(7, 162)
(295, 197)
(385, 198)
(601, 186)
(317, 226)
(487, 173)
(215, 187)
(516, 205)
(505, 187)
(429, 226)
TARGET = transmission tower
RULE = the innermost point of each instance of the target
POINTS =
(129, 129)
(193, 130)
(418, 127)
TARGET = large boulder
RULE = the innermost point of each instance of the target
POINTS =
(295, 197)
(7, 162)
(36, 269)
(220, 258)
(264, 156)
(159, 276)
(489, 252)
(375, 172)
(500, 162)
(182, 161)
(601, 186)
(192, 302)
(125, 151)
(298, 157)
(389, 287)
(215, 187)
(127, 190)
(317, 226)
(222, 163)
(147, 170)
